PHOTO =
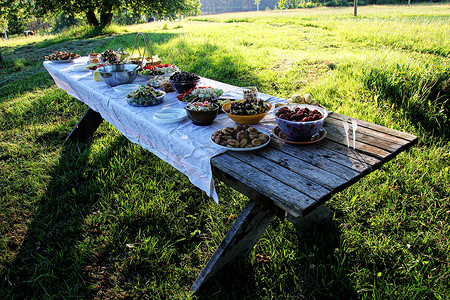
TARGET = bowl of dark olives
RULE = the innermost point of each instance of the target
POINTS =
(183, 81)
(247, 112)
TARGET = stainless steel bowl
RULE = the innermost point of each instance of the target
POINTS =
(117, 74)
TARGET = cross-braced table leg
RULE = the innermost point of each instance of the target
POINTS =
(86, 126)
(240, 239)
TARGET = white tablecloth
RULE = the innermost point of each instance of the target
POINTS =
(185, 146)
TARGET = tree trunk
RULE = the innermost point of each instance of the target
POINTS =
(5, 33)
(105, 19)
(92, 19)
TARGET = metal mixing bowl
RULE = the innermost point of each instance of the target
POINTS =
(117, 74)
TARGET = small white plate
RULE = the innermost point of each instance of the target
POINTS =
(126, 88)
(62, 61)
(170, 115)
(79, 68)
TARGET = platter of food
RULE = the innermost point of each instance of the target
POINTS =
(145, 96)
(62, 61)
(202, 93)
(240, 138)
(93, 66)
(161, 70)
(247, 112)
(61, 57)
(109, 56)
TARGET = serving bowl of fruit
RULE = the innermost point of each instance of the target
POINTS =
(183, 81)
(202, 112)
(247, 112)
(300, 121)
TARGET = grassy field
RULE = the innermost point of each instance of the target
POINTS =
(108, 219)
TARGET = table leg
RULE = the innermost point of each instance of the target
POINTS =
(86, 126)
(318, 216)
(240, 239)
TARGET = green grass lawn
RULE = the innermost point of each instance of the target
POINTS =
(108, 219)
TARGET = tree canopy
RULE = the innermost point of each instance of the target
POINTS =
(100, 12)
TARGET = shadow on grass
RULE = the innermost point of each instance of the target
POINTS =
(48, 264)
(315, 271)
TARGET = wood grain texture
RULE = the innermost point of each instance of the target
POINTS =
(379, 128)
(336, 133)
(284, 196)
(283, 174)
(371, 137)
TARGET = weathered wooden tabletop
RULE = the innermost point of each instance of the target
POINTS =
(298, 178)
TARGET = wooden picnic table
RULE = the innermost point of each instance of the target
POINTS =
(287, 180)
(295, 180)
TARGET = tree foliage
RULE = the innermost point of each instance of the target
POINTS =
(13, 13)
(15, 24)
(100, 12)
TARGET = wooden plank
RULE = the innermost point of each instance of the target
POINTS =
(336, 133)
(279, 211)
(341, 161)
(343, 154)
(309, 169)
(281, 174)
(368, 136)
(305, 168)
(239, 241)
(284, 196)
(380, 128)
(86, 126)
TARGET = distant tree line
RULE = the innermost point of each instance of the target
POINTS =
(225, 6)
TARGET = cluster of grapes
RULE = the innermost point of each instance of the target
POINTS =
(248, 107)
(184, 76)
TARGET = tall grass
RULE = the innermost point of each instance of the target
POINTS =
(107, 219)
